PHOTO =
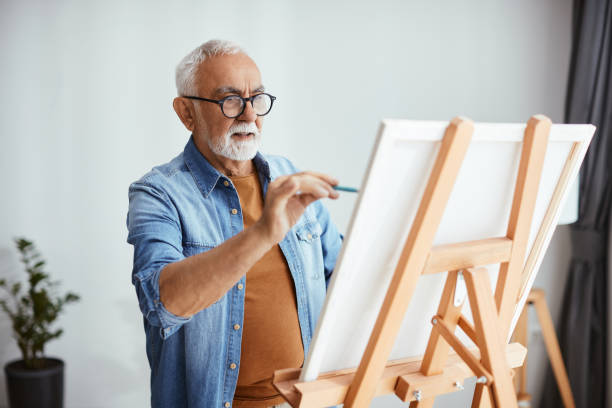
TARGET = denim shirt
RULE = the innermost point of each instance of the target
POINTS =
(186, 207)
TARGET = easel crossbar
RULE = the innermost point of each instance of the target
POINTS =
(464, 255)
(401, 377)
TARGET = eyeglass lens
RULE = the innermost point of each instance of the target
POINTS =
(232, 106)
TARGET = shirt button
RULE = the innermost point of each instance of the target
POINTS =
(226, 183)
(227, 405)
(240, 286)
(234, 211)
(309, 236)
(233, 366)
(236, 327)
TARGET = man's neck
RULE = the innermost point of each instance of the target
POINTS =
(227, 167)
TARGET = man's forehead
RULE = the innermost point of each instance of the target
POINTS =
(234, 73)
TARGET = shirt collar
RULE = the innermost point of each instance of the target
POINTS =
(206, 176)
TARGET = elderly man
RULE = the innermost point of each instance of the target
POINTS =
(232, 249)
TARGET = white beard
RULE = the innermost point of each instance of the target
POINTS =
(239, 150)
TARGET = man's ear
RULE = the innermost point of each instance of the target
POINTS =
(185, 111)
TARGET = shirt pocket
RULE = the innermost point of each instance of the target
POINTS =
(309, 241)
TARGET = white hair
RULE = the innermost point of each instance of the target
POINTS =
(187, 68)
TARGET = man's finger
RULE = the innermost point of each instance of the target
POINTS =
(316, 181)
(307, 199)
(305, 183)
(325, 177)
(287, 188)
(313, 185)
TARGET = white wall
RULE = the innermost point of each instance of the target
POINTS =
(85, 108)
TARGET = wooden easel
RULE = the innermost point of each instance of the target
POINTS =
(420, 380)
(537, 299)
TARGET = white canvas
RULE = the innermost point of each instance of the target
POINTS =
(478, 208)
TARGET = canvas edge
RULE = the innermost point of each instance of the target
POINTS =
(313, 361)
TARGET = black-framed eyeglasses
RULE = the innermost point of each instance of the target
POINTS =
(233, 106)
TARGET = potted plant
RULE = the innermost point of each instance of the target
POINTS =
(34, 380)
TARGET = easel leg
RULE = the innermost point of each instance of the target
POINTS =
(490, 341)
(521, 336)
(426, 403)
(552, 346)
(437, 348)
(482, 397)
(412, 260)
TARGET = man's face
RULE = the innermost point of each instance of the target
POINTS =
(218, 77)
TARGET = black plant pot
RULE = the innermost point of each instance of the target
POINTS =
(35, 388)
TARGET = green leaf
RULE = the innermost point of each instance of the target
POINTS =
(23, 244)
(36, 278)
(16, 288)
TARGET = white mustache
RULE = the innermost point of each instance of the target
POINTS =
(244, 128)
(237, 149)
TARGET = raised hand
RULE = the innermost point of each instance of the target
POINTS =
(288, 197)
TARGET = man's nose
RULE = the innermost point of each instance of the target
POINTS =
(249, 114)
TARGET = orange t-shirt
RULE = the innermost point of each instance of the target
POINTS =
(271, 336)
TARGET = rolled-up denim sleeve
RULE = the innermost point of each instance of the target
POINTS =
(331, 240)
(154, 231)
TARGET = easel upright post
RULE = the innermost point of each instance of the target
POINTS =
(525, 193)
(412, 261)
(519, 225)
